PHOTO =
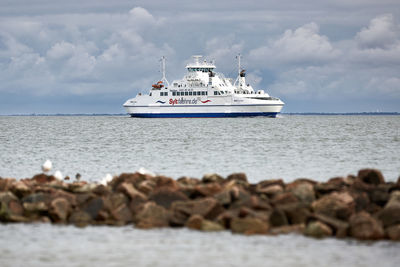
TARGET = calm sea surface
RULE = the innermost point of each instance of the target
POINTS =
(289, 147)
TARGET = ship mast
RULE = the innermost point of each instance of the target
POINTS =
(163, 71)
(239, 70)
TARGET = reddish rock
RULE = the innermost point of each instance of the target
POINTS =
(371, 176)
(336, 205)
(161, 181)
(237, 176)
(165, 196)
(43, 178)
(334, 184)
(59, 209)
(268, 183)
(151, 216)
(393, 232)
(249, 226)
(318, 229)
(146, 186)
(188, 181)
(197, 222)
(364, 226)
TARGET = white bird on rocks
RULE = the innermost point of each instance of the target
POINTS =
(106, 179)
(58, 175)
(47, 165)
(146, 172)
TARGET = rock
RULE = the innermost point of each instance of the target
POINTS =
(165, 196)
(130, 191)
(209, 208)
(271, 190)
(363, 226)
(43, 178)
(339, 227)
(188, 181)
(93, 207)
(296, 213)
(146, 186)
(371, 176)
(249, 226)
(130, 178)
(10, 208)
(197, 222)
(59, 209)
(318, 229)
(334, 184)
(79, 218)
(161, 181)
(151, 216)
(122, 214)
(237, 177)
(206, 190)
(36, 207)
(224, 197)
(212, 178)
(393, 232)
(380, 195)
(390, 215)
(278, 218)
(336, 205)
(287, 229)
(284, 198)
(20, 189)
(303, 190)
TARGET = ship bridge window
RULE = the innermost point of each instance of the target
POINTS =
(190, 93)
(203, 93)
(174, 93)
(186, 93)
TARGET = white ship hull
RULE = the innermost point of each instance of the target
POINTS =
(225, 109)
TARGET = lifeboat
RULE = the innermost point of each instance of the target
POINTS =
(158, 85)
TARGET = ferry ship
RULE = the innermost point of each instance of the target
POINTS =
(203, 93)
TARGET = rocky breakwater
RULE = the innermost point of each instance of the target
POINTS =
(364, 207)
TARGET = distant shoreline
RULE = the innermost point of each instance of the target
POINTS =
(289, 113)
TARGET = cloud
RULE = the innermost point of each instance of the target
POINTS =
(302, 46)
(381, 33)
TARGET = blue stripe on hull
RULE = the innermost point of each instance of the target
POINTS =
(203, 115)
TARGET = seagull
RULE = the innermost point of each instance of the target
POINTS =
(47, 165)
(106, 179)
(58, 175)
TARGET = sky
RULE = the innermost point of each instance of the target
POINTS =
(91, 56)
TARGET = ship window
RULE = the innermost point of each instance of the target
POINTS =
(190, 93)
(198, 93)
(174, 93)
(215, 93)
(166, 93)
(150, 94)
(186, 93)
(203, 93)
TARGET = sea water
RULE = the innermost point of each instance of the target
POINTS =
(288, 147)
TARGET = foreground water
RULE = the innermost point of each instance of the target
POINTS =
(42, 245)
(317, 147)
